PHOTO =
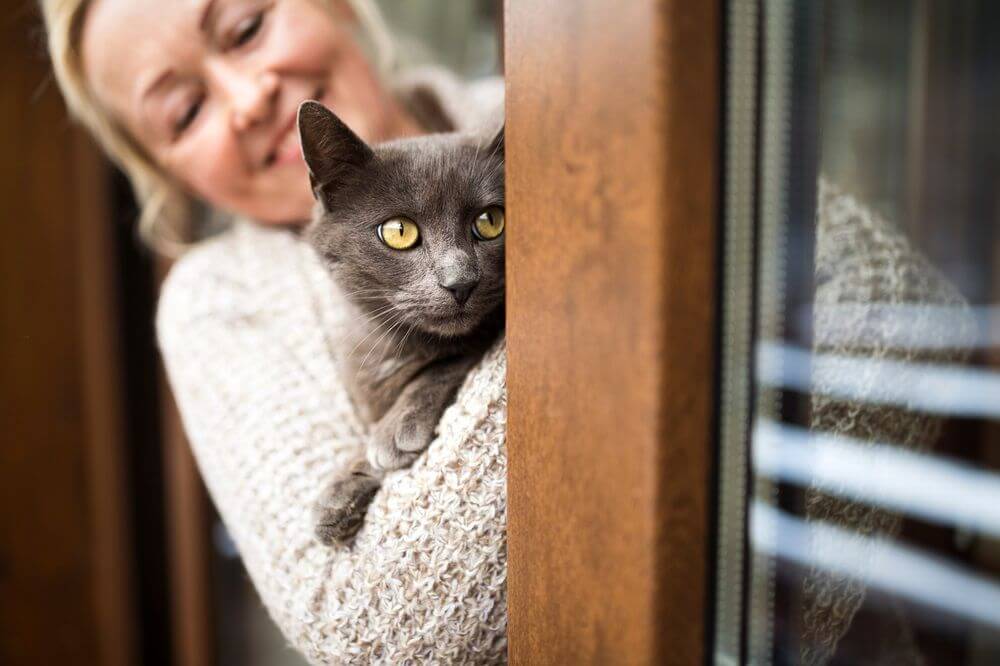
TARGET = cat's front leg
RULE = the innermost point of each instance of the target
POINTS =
(396, 440)
(340, 510)
(408, 427)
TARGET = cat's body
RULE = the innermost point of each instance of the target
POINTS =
(412, 232)
(386, 354)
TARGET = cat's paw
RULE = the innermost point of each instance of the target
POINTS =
(340, 510)
(384, 455)
(398, 439)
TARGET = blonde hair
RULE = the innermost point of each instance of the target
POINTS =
(165, 220)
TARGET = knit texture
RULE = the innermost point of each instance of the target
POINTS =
(877, 299)
(250, 327)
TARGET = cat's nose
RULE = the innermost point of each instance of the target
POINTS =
(460, 289)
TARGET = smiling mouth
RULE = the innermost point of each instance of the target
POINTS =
(284, 152)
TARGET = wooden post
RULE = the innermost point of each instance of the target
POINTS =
(66, 577)
(612, 171)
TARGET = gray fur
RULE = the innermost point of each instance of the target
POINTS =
(425, 315)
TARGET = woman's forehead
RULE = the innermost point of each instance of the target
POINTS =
(128, 44)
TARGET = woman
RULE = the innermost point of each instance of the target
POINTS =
(196, 102)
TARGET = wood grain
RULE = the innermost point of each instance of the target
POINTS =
(612, 162)
(112, 566)
(189, 543)
(65, 575)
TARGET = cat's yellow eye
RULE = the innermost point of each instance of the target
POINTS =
(399, 233)
(489, 224)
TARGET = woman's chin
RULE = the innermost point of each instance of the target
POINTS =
(285, 201)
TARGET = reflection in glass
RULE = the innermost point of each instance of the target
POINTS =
(859, 475)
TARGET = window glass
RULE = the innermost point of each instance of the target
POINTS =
(859, 506)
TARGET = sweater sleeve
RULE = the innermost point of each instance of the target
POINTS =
(269, 422)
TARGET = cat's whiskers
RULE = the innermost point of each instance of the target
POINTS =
(400, 320)
(367, 290)
(363, 296)
(494, 169)
(352, 296)
(474, 162)
(402, 343)
(481, 167)
(380, 324)
(388, 347)
(478, 166)
(373, 316)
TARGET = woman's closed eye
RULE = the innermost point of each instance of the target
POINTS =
(189, 112)
(238, 23)
(238, 30)
(244, 30)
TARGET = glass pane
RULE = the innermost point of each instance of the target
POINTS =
(862, 200)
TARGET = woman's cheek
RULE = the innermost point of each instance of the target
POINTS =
(359, 98)
(212, 168)
(282, 196)
(305, 35)
(306, 39)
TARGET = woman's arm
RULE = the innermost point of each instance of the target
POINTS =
(245, 328)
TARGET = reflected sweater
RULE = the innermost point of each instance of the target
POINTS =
(249, 324)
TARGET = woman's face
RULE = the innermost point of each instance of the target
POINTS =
(210, 89)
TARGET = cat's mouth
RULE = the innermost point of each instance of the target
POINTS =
(452, 325)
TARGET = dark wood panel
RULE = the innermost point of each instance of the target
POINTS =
(612, 131)
(65, 579)
(188, 529)
(112, 567)
(189, 544)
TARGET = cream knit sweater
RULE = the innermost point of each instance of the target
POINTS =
(249, 325)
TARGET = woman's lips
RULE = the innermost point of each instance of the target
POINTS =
(289, 150)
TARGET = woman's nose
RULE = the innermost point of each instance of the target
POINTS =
(251, 97)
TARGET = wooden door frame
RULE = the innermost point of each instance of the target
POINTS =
(66, 575)
(612, 192)
(188, 542)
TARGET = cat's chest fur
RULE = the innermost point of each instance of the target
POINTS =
(383, 359)
(379, 364)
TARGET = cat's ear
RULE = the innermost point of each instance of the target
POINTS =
(330, 149)
(496, 146)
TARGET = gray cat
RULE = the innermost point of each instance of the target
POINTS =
(412, 231)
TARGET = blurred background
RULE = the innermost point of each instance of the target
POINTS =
(110, 551)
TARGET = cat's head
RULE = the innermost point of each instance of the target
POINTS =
(412, 229)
